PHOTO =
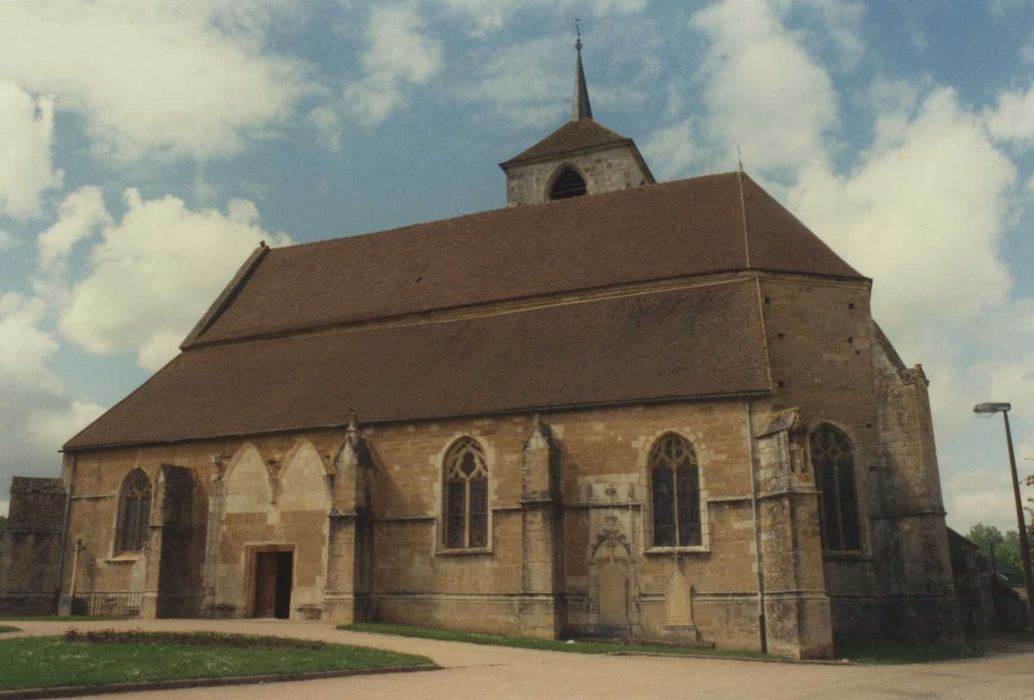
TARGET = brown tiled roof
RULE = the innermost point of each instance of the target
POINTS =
(653, 232)
(573, 136)
(700, 341)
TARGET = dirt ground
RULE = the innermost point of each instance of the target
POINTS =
(1007, 672)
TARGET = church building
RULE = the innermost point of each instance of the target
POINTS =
(614, 408)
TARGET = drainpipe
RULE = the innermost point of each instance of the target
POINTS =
(757, 529)
(64, 533)
(75, 569)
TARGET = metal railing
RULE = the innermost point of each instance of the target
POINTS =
(107, 604)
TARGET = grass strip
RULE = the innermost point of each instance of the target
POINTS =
(7, 628)
(101, 658)
(576, 647)
(883, 651)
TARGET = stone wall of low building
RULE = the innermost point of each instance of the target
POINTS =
(32, 547)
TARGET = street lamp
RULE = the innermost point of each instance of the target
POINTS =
(1004, 409)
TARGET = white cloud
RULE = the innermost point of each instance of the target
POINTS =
(26, 133)
(671, 151)
(521, 82)
(400, 53)
(838, 22)
(983, 496)
(328, 127)
(155, 77)
(80, 215)
(155, 272)
(764, 91)
(54, 426)
(25, 347)
(923, 215)
(484, 15)
(1002, 8)
(619, 7)
(36, 414)
(490, 15)
(1013, 119)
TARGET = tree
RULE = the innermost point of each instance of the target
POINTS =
(1006, 549)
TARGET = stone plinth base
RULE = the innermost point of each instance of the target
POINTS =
(681, 633)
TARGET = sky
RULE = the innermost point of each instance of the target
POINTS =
(147, 146)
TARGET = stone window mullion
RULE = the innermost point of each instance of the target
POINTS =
(466, 477)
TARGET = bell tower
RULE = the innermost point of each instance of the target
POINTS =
(582, 157)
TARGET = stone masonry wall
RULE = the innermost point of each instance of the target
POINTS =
(604, 170)
(819, 348)
(578, 554)
(611, 576)
(32, 546)
(917, 572)
(825, 361)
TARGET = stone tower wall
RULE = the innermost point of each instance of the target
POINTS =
(604, 170)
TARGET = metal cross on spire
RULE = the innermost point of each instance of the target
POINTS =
(580, 107)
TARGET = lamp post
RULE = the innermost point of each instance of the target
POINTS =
(1004, 409)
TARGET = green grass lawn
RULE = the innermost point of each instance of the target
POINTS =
(7, 628)
(895, 652)
(90, 659)
(578, 647)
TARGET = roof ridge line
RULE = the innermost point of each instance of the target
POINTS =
(560, 202)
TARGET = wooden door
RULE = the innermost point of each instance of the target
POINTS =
(265, 583)
(284, 576)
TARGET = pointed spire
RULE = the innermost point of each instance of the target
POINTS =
(580, 107)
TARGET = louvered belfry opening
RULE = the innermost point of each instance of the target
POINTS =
(567, 184)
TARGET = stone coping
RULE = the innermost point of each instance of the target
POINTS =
(66, 691)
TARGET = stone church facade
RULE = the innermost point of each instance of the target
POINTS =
(615, 407)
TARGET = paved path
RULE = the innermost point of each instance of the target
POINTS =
(499, 672)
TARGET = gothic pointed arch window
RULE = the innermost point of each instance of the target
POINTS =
(466, 495)
(567, 183)
(675, 486)
(833, 462)
(134, 512)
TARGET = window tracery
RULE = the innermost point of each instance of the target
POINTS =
(833, 462)
(675, 481)
(466, 496)
(134, 512)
